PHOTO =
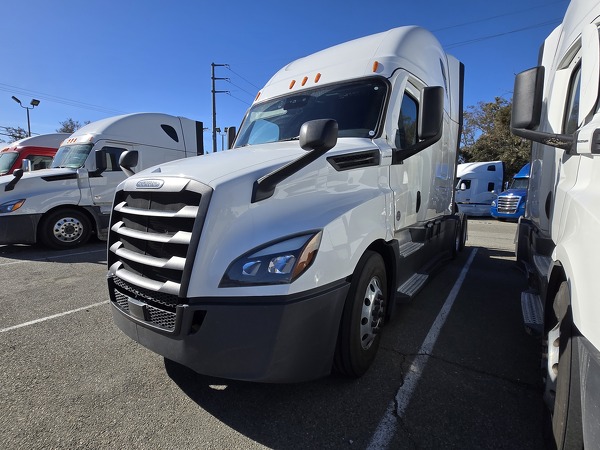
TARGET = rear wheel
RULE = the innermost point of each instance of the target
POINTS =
(363, 317)
(561, 378)
(65, 228)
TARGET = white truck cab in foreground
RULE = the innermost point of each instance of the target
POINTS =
(63, 205)
(283, 257)
(558, 241)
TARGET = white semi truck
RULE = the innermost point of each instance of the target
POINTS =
(62, 206)
(558, 242)
(284, 257)
(477, 186)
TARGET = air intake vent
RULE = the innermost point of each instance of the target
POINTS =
(355, 160)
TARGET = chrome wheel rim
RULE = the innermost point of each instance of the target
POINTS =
(372, 314)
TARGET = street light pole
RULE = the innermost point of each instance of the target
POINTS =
(34, 102)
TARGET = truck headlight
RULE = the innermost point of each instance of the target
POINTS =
(279, 262)
(11, 206)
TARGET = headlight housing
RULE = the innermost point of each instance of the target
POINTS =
(279, 262)
(11, 206)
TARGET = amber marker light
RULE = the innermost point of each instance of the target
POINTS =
(317, 77)
(257, 95)
(304, 80)
(375, 66)
(292, 83)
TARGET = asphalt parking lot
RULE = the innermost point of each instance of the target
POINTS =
(455, 370)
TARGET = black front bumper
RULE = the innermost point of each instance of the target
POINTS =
(264, 339)
(19, 229)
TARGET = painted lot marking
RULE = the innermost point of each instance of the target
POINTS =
(54, 316)
(50, 258)
(389, 422)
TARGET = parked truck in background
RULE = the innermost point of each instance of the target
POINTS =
(64, 205)
(38, 150)
(510, 204)
(477, 186)
(556, 106)
(284, 257)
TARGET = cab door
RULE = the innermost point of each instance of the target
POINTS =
(103, 183)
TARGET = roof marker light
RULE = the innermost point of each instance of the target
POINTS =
(304, 80)
(317, 77)
(292, 83)
(257, 95)
(375, 66)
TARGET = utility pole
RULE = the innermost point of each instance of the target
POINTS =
(214, 104)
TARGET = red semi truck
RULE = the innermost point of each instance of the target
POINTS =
(39, 150)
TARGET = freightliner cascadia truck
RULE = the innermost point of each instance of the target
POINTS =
(283, 257)
(64, 205)
(37, 150)
(556, 105)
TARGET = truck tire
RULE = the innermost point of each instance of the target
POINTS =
(562, 392)
(363, 317)
(65, 228)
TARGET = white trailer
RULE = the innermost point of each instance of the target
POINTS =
(284, 257)
(477, 186)
(64, 205)
(556, 106)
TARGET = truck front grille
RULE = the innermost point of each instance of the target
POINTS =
(153, 237)
(508, 204)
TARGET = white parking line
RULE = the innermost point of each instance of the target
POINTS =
(389, 422)
(43, 319)
(48, 258)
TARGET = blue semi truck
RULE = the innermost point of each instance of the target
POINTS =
(510, 204)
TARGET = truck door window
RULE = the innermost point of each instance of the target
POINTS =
(40, 161)
(112, 158)
(406, 134)
(571, 120)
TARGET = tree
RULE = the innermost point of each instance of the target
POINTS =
(14, 134)
(487, 137)
(70, 126)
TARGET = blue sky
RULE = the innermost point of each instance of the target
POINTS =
(92, 59)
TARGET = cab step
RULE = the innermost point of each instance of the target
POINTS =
(533, 313)
(411, 287)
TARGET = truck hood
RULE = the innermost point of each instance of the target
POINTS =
(518, 192)
(216, 168)
(36, 174)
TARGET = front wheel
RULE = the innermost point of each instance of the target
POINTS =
(363, 317)
(65, 228)
(561, 377)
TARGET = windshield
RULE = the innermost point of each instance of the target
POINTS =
(71, 156)
(7, 160)
(356, 106)
(519, 183)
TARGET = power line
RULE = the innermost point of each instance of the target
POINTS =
(497, 16)
(56, 99)
(484, 38)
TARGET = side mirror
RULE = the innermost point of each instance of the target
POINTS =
(127, 160)
(431, 114)
(100, 163)
(319, 136)
(26, 165)
(430, 122)
(230, 137)
(17, 174)
(527, 110)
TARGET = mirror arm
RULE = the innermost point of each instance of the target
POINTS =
(563, 141)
